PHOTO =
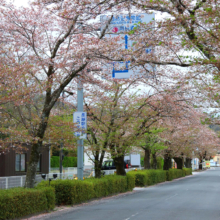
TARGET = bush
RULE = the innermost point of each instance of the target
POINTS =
(151, 177)
(70, 162)
(140, 178)
(109, 185)
(142, 161)
(155, 176)
(50, 195)
(71, 192)
(174, 174)
(18, 202)
(187, 171)
(130, 181)
(148, 177)
(67, 161)
(55, 161)
(160, 163)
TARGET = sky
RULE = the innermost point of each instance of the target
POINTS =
(21, 2)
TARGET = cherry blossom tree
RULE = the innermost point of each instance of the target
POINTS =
(43, 50)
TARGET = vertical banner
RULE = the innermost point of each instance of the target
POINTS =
(80, 118)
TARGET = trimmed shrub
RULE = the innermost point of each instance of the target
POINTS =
(130, 181)
(69, 192)
(155, 176)
(142, 161)
(148, 177)
(109, 185)
(50, 196)
(140, 178)
(55, 161)
(187, 171)
(100, 186)
(18, 202)
(70, 162)
(67, 161)
(151, 177)
(174, 174)
(160, 163)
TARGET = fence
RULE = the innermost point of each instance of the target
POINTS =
(19, 181)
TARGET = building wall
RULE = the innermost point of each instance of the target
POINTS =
(2, 161)
(217, 158)
(7, 162)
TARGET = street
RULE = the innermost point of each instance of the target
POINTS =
(190, 198)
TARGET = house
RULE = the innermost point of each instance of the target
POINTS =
(14, 162)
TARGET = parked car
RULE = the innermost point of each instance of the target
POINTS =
(110, 165)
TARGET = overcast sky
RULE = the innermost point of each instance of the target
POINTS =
(21, 2)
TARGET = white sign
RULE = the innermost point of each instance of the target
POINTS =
(119, 25)
(80, 118)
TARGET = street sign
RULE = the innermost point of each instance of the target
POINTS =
(80, 118)
(119, 26)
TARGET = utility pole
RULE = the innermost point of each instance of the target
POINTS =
(80, 147)
(61, 145)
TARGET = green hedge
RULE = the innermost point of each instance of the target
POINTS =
(148, 177)
(151, 177)
(67, 161)
(18, 202)
(130, 181)
(69, 192)
(70, 162)
(188, 171)
(174, 174)
(55, 161)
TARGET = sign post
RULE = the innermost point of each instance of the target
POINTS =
(80, 118)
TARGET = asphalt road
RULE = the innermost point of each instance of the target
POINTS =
(190, 198)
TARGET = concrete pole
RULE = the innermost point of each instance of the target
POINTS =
(61, 145)
(80, 147)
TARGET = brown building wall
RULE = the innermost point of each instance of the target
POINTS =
(2, 162)
(7, 162)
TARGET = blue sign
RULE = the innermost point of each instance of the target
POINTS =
(119, 25)
(80, 119)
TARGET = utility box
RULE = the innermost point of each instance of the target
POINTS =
(135, 159)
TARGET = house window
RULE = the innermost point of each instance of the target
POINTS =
(39, 164)
(20, 162)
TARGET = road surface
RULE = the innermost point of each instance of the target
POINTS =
(189, 198)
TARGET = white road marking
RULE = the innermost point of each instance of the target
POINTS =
(172, 196)
(132, 216)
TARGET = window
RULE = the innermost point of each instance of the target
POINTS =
(20, 162)
(39, 164)
(110, 163)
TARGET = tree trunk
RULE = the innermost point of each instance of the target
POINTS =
(35, 150)
(154, 161)
(179, 161)
(147, 158)
(119, 163)
(32, 165)
(167, 162)
(188, 163)
(98, 171)
(98, 164)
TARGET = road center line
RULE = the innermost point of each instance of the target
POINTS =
(132, 216)
(171, 196)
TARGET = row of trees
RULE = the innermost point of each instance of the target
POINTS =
(159, 122)
(47, 46)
